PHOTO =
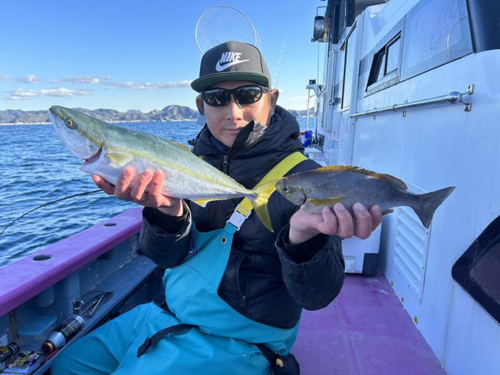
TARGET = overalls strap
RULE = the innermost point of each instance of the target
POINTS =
(150, 341)
(244, 208)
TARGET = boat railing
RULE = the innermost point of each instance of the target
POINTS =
(452, 97)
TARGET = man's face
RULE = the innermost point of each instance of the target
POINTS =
(225, 122)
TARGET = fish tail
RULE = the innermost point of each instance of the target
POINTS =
(259, 202)
(427, 204)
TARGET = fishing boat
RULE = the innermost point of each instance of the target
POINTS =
(409, 88)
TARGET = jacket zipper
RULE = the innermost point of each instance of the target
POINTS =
(214, 207)
(243, 301)
(225, 163)
(244, 297)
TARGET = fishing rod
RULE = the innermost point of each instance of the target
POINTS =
(49, 203)
(276, 71)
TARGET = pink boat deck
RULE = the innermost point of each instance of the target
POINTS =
(364, 331)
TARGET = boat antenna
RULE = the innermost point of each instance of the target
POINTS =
(222, 23)
(49, 203)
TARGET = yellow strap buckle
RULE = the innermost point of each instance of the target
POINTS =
(244, 208)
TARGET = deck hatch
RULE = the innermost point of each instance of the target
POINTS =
(412, 244)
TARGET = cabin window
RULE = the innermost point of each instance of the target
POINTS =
(380, 66)
(436, 33)
(477, 269)
(393, 54)
(386, 61)
(349, 65)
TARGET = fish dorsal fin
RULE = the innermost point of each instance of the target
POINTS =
(351, 168)
(178, 145)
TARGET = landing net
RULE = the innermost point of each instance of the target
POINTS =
(222, 23)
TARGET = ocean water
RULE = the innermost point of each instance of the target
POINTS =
(35, 168)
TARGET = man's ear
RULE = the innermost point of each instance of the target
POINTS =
(273, 99)
(274, 94)
(199, 105)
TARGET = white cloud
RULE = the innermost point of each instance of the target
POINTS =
(79, 80)
(147, 86)
(20, 94)
(29, 79)
(129, 85)
(61, 92)
(4, 78)
(174, 84)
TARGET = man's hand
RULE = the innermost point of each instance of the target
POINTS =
(334, 220)
(132, 187)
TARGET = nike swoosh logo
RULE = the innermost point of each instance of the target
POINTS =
(220, 67)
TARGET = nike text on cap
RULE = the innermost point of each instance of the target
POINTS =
(232, 61)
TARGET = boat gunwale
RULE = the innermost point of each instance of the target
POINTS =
(25, 278)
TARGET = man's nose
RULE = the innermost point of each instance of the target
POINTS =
(234, 111)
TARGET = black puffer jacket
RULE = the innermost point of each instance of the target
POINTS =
(266, 279)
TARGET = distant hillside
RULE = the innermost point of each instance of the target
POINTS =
(302, 113)
(169, 113)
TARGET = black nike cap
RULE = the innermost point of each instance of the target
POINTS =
(232, 61)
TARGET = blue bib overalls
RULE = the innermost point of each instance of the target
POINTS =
(222, 344)
(222, 341)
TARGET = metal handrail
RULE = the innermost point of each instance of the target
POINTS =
(451, 98)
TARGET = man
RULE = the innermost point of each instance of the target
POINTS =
(234, 290)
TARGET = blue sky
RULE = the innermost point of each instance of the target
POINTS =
(137, 54)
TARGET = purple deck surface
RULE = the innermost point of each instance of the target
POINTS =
(27, 277)
(364, 331)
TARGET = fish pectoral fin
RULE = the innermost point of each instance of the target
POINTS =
(325, 201)
(118, 160)
(388, 211)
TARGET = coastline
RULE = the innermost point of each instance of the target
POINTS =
(111, 122)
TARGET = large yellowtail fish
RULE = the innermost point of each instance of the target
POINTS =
(329, 185)
(107, 149)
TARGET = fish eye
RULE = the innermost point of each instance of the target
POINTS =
(285, 189)
(69, 123)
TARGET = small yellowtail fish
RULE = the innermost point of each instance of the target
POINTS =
(329, 185)
(107, 149)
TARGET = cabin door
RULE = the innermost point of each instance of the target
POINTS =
(343, 101)
(347, 105)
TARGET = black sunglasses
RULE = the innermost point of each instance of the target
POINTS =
(217, 97)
